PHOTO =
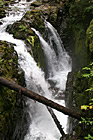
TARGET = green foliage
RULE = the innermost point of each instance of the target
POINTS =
(31, 40)
(89, 137)
(23, 28)
(88, 74)
(87, 121)
(84, 99)
(88, 9)
(36, 20)
(86, 68)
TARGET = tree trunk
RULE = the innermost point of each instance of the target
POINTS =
(39, 98)
(56, 121)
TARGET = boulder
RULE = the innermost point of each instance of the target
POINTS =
(2, 13)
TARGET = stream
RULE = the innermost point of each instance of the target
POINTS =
(42, 126)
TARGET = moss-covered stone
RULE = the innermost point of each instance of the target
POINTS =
(8, 98)
(36, 50)
(5, 3)
(89, 34)
(35, 19)
(20, 30)
(79, 22)
(2, 13)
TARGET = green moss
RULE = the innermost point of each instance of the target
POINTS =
(8, 61)
(37, 21)
(20, 30)
(80, 49)
(8, 98)
(89, 34)
(81, 12)
(2, 13)
(30, 40)
(4, 5)
(38, 53)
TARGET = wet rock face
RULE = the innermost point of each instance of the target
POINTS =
(22, 124)
(1, 23)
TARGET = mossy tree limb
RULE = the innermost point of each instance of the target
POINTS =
(39, 98)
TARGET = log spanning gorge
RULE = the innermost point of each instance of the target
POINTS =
(42, 126)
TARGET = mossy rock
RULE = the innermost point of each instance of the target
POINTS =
(36, 4)
(5, 3)
(89, 34)
(2, 13)
(80, 49)
(8, 98)
(36, 50)
(8, 60)
(20, 30)
(53, 13)
(37, 15)
(80, 16)
(35, 20)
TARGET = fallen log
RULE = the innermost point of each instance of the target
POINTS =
(39, 98)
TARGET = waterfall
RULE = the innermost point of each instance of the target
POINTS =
(58, 64)
(49, 54)
(63, 58)
(42, 126)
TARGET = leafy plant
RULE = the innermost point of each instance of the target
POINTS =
(87, 121)
(23, 28)
(88, 74)
(31, 40)
(89, 137)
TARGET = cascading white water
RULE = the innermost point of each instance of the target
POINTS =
(62, 56)
(42, 126)
(60, 66)
(49, 53)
